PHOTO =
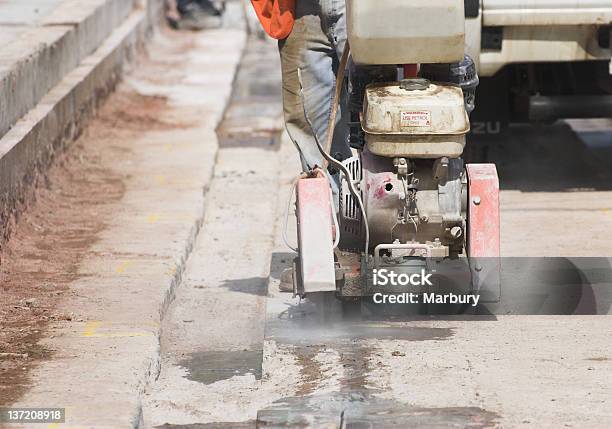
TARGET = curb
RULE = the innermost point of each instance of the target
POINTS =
(45, 111)
(41, 56)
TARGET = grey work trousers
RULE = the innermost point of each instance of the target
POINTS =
(310, 57)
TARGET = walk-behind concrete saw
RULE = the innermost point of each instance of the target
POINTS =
(407, 203)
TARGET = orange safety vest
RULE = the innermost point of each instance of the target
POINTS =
(276, 16)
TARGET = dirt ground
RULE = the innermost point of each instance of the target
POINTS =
(62, 222)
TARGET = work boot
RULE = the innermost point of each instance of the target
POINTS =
(198, 15)
(286, 280)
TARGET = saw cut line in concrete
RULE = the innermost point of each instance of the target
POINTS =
(213, 335)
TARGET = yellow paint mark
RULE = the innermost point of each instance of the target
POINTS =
(153, 218)
(91, 331)
(171, 271)
(161, 180)
(90, 328)
(123, 267)
(168, 147)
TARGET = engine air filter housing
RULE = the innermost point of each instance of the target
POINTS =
(415, 118)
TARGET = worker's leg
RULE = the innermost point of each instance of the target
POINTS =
(310, 57)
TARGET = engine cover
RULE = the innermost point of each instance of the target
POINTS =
(415, 119)
(424, 206)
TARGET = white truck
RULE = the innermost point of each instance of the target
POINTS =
(539, 60)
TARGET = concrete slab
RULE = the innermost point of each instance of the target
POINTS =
(26, 12)
(40, 52)
(10, 33)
